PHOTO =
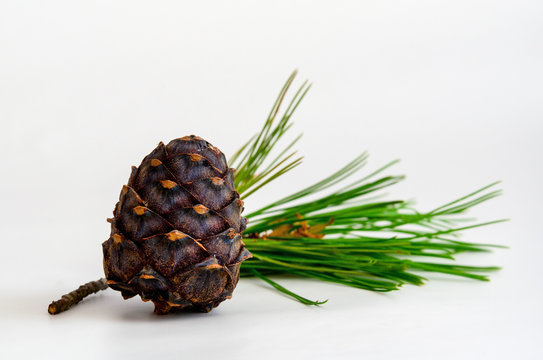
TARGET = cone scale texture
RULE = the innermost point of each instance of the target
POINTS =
(176, 232)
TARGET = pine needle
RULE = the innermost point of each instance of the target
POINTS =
(286, 291)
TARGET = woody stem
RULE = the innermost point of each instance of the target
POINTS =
(72, 298)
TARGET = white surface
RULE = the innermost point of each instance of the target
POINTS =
(454, 88)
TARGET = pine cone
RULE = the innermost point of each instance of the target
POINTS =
(176, 231)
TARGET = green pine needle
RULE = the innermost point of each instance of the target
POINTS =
(346, 235)
(286, 291)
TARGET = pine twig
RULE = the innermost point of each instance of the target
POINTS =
(72, 298)
(345, 236)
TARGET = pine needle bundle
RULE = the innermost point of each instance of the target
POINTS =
(346, 236)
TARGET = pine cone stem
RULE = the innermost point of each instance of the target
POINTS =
(72, 298)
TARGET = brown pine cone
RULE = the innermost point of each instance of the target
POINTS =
(176, 231)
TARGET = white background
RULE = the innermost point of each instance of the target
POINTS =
(453, 88)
